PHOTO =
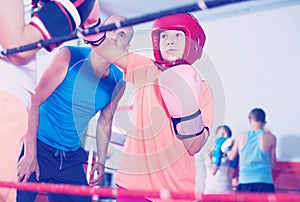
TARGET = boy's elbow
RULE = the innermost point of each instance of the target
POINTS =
(231, 154)
(230, 157)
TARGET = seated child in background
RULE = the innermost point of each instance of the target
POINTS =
(219, 169)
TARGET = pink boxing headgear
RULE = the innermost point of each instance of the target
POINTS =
(195, 37)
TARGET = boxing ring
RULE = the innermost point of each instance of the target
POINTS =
(292, 193)
(110, 192)
(165, 195)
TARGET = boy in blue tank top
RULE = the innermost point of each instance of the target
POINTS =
(256, 149)
(72, 90)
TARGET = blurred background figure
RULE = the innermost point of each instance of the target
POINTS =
(219, 169)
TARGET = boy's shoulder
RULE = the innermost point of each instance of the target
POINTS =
(269, 134)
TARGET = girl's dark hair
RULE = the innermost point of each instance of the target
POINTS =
(257, 115)
(226, 128)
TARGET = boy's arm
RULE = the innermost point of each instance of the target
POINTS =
(232, 154)
(273, 151)
(103, 134)
(213, 168)
(52, 77)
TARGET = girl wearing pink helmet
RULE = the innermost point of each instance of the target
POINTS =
(167, 125)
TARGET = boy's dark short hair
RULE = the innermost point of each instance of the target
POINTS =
(258, 115)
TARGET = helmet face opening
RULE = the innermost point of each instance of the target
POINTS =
(172, 44)
(195, 36)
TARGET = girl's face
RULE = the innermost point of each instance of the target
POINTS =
(172, 45)
(222, 133)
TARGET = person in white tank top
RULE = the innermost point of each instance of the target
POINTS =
(219, 169)
(18, 74)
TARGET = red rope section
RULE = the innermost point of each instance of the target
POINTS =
(163, 194)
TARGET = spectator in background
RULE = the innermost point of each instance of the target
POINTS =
(256, 149)
(219, 169)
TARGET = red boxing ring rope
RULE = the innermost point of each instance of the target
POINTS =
(163, 194)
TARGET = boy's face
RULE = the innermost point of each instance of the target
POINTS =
(172, 45)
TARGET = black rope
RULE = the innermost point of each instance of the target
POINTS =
(79, 33)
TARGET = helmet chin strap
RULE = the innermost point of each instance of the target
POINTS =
(165, 64)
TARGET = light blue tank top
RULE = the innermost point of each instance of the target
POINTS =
(66, 113)
(255, 164)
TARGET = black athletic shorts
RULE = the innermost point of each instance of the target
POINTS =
(58, 167)
(256, 187)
